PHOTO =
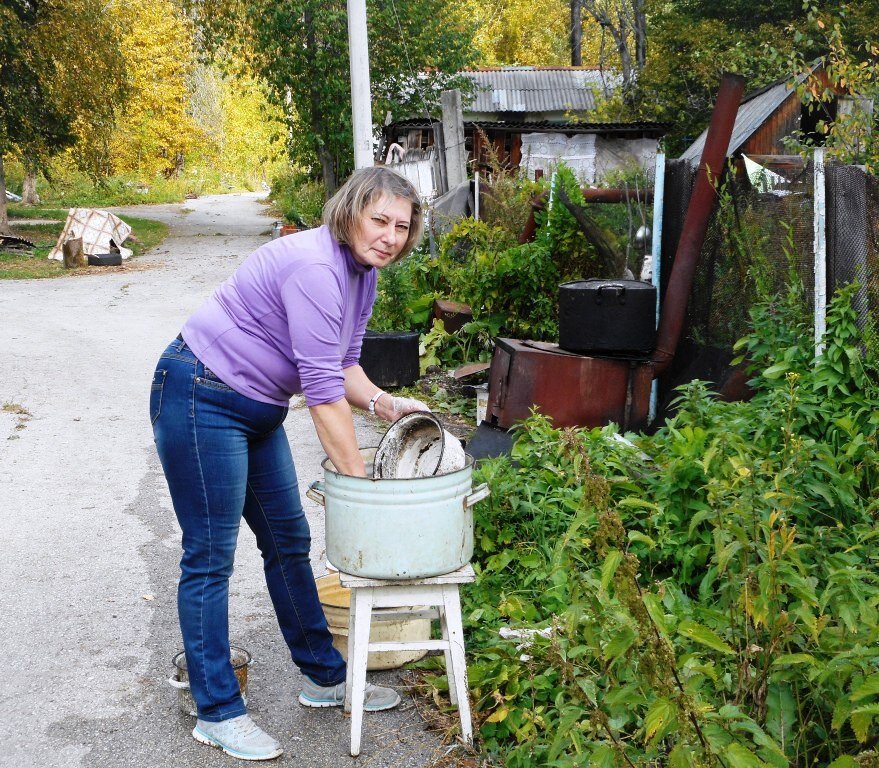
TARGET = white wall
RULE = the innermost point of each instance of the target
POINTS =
(544, 151)
(612, 154)
(591, 157)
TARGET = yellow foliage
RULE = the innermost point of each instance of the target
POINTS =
(244, 130)
(528, 32)
(155, 131)
(252, 129)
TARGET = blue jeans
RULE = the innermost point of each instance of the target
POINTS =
(226, 456)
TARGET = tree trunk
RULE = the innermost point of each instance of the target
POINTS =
(327, 165)
(4, 219)
(640, 34)
(628, 21)
(328, 171)
(29, 194)
(576, 34)
(73, 254)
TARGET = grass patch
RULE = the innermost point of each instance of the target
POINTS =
(36, 212)
(146, 234)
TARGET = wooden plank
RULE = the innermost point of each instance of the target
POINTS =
(409, 645)
(819, 230)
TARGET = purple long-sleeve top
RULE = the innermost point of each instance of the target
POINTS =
(289, 320)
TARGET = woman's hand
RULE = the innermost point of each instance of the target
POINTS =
(360, 391)
(392, 408)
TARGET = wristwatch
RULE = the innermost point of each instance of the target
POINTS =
(374, 399)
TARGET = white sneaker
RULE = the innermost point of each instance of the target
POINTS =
(239, 737)
(375, 698)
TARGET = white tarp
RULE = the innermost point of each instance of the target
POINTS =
(97, 230)
(761, 178)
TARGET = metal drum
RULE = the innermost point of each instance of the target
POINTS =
(398, 528)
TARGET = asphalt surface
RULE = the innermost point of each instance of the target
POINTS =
(90, 544)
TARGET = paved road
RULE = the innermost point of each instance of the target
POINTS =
(90, 544)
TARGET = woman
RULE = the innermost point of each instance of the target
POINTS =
(290, 319)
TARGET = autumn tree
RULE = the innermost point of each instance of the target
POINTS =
(625, 21)
(86, 83)
(850, 79)
(243, 130)
(155, 131)
(519, 32)
(27, 114)
(300, 49)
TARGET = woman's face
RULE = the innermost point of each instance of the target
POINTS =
(381, 231)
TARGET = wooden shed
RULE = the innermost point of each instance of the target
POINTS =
(533, 118)
(768, 116)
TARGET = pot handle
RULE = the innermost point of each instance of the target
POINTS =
(619, 295)
(316, 493)
(478, 494)
(175, 683)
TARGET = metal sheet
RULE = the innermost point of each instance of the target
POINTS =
(533, 89)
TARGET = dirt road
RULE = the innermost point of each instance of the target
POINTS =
(90, 544)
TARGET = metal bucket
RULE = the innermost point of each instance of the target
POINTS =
(398, 528)
(417, 445)
(241, 660)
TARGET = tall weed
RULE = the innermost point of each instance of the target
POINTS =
(704, 596)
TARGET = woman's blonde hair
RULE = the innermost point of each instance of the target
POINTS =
(343, 210)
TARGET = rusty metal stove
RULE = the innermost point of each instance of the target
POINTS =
(575, 390)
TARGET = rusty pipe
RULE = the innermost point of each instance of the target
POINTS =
(680, 282)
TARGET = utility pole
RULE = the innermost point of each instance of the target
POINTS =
(361, 100)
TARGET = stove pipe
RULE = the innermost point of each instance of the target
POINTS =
(680, 282)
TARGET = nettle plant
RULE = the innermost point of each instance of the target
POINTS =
(706, 595)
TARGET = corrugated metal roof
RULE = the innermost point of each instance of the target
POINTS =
(754, 110)
(544, 126)
(533, 89)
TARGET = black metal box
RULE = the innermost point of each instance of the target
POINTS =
(607, 316)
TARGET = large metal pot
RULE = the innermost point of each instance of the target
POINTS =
(607, 316)
(398, 528)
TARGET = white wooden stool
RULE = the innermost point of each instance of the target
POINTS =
(437, 592)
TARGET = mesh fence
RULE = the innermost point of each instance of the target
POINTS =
(853, 237)
(753, 238)
(755, 241)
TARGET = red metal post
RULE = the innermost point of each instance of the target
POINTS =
(680, 283)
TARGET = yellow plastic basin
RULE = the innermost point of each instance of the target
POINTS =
(336, 602)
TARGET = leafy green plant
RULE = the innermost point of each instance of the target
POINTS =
(511, 287)
(704, 596)
(405, 295)
(299, 198)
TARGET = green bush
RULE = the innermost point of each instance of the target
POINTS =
(513, 287)
(405, 295)
(299, 198)
(707, 595)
